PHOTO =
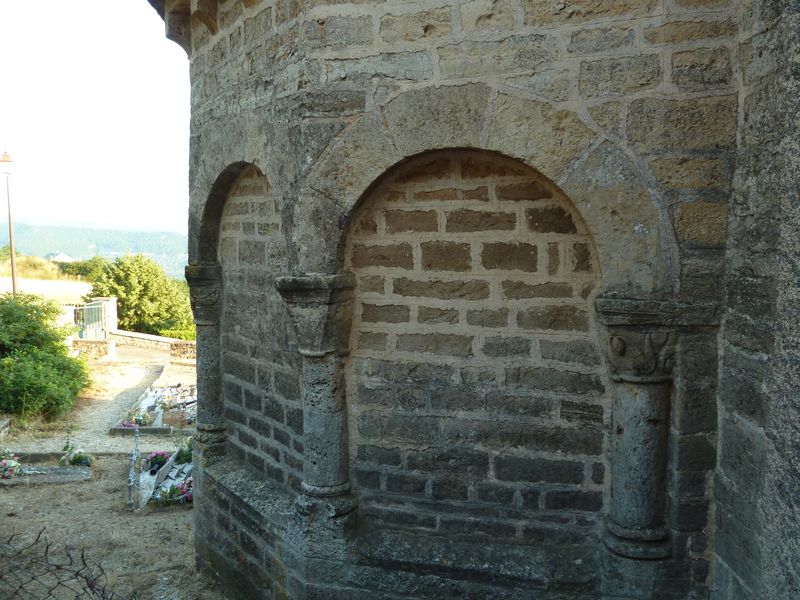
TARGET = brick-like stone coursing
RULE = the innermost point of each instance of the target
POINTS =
(260, 382)
(482, 266)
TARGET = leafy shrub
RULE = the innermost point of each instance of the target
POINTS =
(179, 334)
(35, 382)
(37, 377)
(27, 321)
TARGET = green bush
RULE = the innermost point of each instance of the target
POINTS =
(27, 321)
(37, 377)
(148, 301)
(85, 269)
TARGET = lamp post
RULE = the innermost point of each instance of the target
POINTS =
(5, 168)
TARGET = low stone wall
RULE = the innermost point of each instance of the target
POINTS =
(94, 348)
(178, 349)
(183, 350)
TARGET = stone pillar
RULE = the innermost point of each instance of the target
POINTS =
(639, 435)
(205, 291)
(640, 346)
(320, 308)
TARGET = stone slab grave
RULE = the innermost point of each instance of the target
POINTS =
(150, 486)
(170, 409)
(37, 475)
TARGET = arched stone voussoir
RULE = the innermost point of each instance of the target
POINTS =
(540, 135)
(627, 228)
(204, 218)
(435, 118)
(355, 159)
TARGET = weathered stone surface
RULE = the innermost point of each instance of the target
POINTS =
(586, 41)
(414, 26)
(682, 125)
(555, 137)
(688, 31)
(398, 221)
(487, 15)
(437, 315)
(488, 318)
(559, 317)
(443, 290)
(550, 220)
(617, 207)
(512, 54)
(479, 220)
(398, 255)
(445, 256)
(337, 31)
(420, 121)
(577, 351)
(690, 173)
(510, 256)
(551, 84)
(618, 76)
(453, 345)
(702, 69)
(515, 290)
(373, 313)
(572, 11)
(701, 224)
(498, 346)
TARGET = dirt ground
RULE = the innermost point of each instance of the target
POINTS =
(145, 554)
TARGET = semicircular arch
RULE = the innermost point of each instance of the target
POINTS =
(634, 245)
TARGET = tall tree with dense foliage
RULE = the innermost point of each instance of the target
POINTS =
(37, 376)
(148, 301)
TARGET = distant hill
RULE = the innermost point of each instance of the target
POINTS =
(167, 248)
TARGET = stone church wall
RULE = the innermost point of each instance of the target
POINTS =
(436, 250)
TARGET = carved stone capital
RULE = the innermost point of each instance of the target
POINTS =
(205, 292)
(320, 306)
(640, 356)
(641, 334)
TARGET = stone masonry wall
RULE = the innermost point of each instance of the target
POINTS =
(656, 77)
(475, 388)
(639, 94)
(756, 487)
(260, 383)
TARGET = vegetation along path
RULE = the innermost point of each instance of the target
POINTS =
(143, 554)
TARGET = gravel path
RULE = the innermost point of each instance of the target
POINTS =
(116, 384)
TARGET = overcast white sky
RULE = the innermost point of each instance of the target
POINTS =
(94, 111)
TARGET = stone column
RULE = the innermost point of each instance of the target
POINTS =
(640, 342)
(320, 308)
(205, 291)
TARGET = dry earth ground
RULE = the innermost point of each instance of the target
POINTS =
(146, 554)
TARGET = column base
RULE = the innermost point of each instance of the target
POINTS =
(330, 506)
(638, 544)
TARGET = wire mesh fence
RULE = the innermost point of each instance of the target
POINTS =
(38, 570)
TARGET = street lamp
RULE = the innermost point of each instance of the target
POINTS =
(5, 168)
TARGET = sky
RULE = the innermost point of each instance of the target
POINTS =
(94, 112)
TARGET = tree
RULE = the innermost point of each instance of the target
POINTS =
(147, 300)
(37, 377)
(87, 269)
